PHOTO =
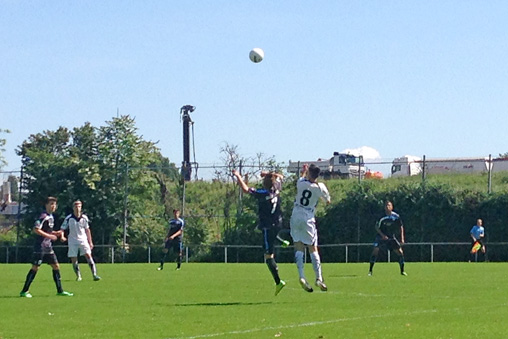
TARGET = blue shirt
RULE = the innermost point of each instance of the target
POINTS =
(477, 231)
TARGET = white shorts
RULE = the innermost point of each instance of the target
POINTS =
(76, 249)
(303, 226)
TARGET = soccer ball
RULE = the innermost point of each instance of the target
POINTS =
(256, 55)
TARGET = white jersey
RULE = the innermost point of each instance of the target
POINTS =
(308, 193)
(302, 222)
(77, 229)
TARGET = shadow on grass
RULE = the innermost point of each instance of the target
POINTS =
(343, 276)
(225, 304)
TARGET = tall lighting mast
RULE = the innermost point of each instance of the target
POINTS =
(187, 122)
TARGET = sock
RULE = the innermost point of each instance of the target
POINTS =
(179, 261)
(299, 263)
(316, 265)
(401, 263)
(75, 267)
(91, 263)
(29, 278)
(472, 257)
(272, 266)
(58, 283)
(372, 262)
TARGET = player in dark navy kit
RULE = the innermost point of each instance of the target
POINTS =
(270, 217)
(43, 249)
(174, 240)
(386, 228)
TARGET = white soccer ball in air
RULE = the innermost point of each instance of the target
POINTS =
(256, 55)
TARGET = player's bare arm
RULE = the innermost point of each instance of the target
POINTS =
(45, 235)
(177, 233)
(242, 183)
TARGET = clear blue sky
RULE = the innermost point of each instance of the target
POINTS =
(400, 77)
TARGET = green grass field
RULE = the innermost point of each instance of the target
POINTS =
(439, 300)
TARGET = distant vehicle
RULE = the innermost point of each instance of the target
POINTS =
(406, 166)
(411, 165)
(341, 165)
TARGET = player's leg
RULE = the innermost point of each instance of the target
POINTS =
(72, 253)
(484, 250)
(179, 251)
(75, 267)
(164, 254)
(91, 263)
(269, 237)
(53, 261)
(473, 251)
(281, 236)
(299, 259)
(396, 247)
(37, 260)
(298, 227)
(400, 253)
(316, 265)
(373, 257)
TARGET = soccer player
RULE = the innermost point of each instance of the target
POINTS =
(43, 249)
(303, 223)
(77, 226)
(174, 239)
(477, 234)
(386, 228)
(270, 217)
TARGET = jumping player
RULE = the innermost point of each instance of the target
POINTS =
(77, 226)
(386, 228)
(270, 217)
(43, 249)
(303, 223)
(174, 240)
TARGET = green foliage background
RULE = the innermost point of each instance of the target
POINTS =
(124, 180)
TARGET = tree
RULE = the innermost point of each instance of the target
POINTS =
(117, 175)
(3, 142)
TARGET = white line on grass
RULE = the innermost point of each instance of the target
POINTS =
(313, 323)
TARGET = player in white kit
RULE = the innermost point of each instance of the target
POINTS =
(77, 229)
(303, 223)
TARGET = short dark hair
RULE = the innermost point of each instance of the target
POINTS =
(176, 210)
(51, 199)
(314, 171)
(268, 181)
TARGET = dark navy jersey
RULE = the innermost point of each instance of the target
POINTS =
(174, 226)
(390, 224)
(270, 214)
(45, 222)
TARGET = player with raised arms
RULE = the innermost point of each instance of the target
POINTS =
(303, 223)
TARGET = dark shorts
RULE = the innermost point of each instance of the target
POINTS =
(176, 245)
(391, 244)
(269, 237)
(41, 257)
